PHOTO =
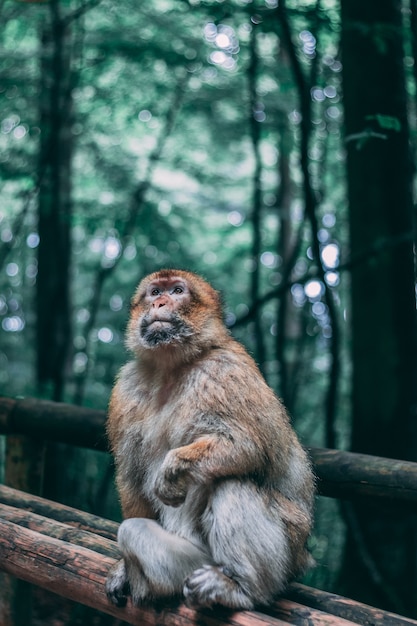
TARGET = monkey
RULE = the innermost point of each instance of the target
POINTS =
(215, 488)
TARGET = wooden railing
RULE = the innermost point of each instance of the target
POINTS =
(69, 552)
(340, 474)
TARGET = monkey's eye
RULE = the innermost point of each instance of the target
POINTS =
(178, 290)
(155, 291)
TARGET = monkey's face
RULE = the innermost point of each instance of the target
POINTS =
(158, 318)
(174, 311)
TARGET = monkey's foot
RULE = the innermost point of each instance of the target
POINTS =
(117, 584)
(139, 589)
(212, 585)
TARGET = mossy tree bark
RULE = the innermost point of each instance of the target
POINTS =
(380, 565)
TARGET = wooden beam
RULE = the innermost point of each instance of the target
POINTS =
(58, 530)
(60, 512)
(53, 421)
(79, 573)
(300, 605)
(345, 607)
(340, 474)
(301, 615)
(348, 475)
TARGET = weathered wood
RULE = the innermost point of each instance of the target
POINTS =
(59, 512)
(340, 474)
(58, 530)
(24, 463)
(298, 614)
(79, 573)
(345, 607)
(301, 604)
(79, 520)
(69, 551)
(349, 475)
(53, 421)
(23, 469)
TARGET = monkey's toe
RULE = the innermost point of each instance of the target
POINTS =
(212, 585)
(117, 599)
(117, 595)
(117, 584)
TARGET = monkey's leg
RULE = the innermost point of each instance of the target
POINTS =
(157, 561)
(249, 541)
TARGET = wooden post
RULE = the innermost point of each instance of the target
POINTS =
(23, 470)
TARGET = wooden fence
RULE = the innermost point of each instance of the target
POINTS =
(69, 552)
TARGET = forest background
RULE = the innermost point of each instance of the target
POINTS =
(269, 146)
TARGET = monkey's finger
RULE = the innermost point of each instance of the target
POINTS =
(198, 576)
(171, 499)
(170, 495)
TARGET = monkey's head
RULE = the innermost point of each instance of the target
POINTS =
(174, 310)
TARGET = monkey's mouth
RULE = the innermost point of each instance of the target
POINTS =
(157, 324)
(164, 331)
(155, 331)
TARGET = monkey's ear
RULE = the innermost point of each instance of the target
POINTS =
(134, 303)
(137, 299)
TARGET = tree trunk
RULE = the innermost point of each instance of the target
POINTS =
(25, 458)
(380, 563)
(54, 221)
(256, 218)
(288, 319)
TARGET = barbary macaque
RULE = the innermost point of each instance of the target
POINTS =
(216, 490)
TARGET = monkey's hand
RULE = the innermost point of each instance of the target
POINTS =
(174, 480)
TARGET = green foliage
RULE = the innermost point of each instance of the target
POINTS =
(386, 122)
(163, 175)
(134, 67)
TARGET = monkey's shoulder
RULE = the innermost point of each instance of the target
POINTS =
(232, 369)
(231, 355)
(228, 386)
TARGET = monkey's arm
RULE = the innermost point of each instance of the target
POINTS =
(207, 458)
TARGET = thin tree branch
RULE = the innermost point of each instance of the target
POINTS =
(136, 204)
(77, 13)
(255, 133)
(310, 206)
(366, 256)
(288, 247)
(17, 226)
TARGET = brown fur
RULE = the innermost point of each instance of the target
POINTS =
(203, 446)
